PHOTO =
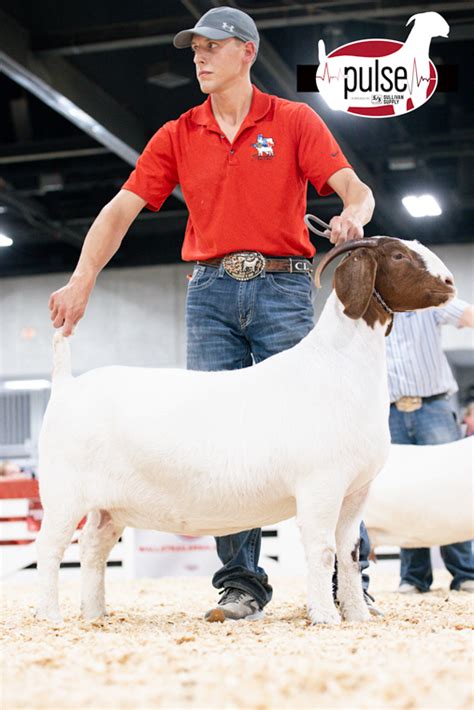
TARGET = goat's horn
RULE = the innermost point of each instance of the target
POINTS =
(341, 249)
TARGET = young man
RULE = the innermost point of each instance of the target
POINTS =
(242, 159)
(420, 383)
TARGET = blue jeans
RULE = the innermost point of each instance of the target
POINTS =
(434, 423)
(232, 324)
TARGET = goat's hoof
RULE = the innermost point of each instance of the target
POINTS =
(53, 618)
(357, 615)
(319, 617)
(93, 616)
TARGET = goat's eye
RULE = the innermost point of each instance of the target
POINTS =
(398, 255)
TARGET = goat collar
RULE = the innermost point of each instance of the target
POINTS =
(388, 310)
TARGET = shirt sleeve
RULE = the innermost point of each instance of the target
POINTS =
(156, 174)
(450, 314)
(319, 155)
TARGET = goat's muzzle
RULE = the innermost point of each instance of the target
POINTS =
(341, 249)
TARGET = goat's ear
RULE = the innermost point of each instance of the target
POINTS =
(354, 281)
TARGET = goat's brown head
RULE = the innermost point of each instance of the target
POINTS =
(405, 274)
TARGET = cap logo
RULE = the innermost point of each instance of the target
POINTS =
(229, 28)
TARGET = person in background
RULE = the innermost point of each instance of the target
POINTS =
(468, 419)
(9, 469)
(420, 385)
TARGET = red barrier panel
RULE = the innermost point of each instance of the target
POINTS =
(19, 488)
(25, 488)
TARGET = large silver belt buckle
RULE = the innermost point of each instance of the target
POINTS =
(408, 404)
(244, 265)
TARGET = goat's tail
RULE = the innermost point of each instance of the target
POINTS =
(61, 359)
(321, 51)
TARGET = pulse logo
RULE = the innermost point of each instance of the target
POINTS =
(379, 78)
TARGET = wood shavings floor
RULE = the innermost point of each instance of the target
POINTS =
(154, 650)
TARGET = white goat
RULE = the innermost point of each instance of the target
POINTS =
(195, 453)
(423, 496)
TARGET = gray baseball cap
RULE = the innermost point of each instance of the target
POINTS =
(221, 23)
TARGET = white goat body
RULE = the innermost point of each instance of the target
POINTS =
(423, 496)
(214, 453)
(188, 452)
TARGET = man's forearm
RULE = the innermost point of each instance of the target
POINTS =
(68, 304)
(101, 243)
(359, 202)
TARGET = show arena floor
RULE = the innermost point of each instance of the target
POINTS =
(154, 650)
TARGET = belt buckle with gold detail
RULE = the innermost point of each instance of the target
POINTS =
(244, 265)
(408, 404)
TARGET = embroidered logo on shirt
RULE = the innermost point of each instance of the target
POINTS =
(264, 147)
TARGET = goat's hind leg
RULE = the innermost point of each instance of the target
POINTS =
(349, 582)
(316, 516)
(97, 539)
(57, 530)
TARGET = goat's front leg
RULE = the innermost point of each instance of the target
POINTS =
(349, 583)
(317, 513)
(97, 539)
(56, 533)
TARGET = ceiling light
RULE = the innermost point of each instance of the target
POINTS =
(163, 74)
(422, 206)
(50, 182)
(5, 241)
(27, 384)
(406, 163)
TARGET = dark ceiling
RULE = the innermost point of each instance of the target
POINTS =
(107, 66)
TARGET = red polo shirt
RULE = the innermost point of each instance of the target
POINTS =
(248, 195)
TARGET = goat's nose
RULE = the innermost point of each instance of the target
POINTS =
(449, 281)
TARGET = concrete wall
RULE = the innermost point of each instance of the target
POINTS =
(136, 317)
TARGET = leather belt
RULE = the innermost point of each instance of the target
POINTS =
(246, 265)
(411, 404)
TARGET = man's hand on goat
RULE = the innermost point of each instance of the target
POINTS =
(345, 227)
(358, 202)
(68, 304)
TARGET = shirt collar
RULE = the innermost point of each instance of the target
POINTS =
(259, 107)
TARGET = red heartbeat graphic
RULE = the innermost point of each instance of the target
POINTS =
(414, 71)
(329, 77)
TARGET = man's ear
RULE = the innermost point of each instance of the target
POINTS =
(354, 281)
